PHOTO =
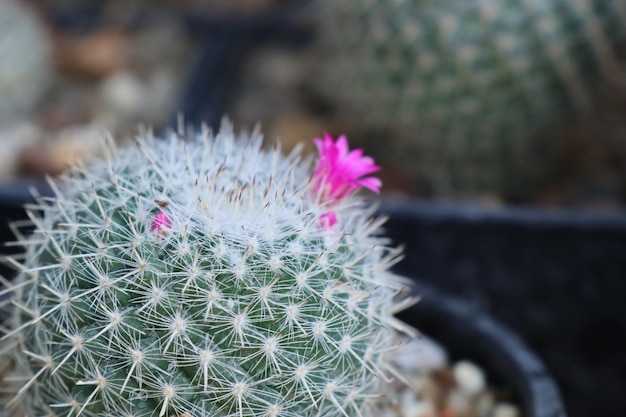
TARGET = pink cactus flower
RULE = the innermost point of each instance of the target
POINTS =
(160, 224)
(328, 220)
(340, 172)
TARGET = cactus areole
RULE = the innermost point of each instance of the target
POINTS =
(206, 276)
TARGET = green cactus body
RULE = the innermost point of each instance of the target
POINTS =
(468, 83)
(241, 304)
(25, 62)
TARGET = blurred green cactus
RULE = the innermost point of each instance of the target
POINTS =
(465, 85)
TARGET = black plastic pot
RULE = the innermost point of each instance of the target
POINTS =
(557, 277)
(469, 333)
(466, 332)
(13, 196)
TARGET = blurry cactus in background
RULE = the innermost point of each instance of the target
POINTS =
(25, 60)
(467, 88)
(207, 277)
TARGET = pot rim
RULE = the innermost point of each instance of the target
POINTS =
(468, 331)
(505, 215)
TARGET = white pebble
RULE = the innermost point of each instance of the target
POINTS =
(122, 92)
(421, 354)
(469, 378)
(74, 145)
(420, 409)
(460, 402)
(505, 410)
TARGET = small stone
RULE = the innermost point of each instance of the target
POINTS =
(74, 145)
(421, 354)
(469, 378)
(33, 160)
(459, 403)
(447, 412)
(420, 409)
(95, 56)
(13, 140)
(505, 410)
(445, 379)
(122, 92)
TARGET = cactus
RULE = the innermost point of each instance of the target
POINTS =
(25, 62)
(206, 276)
(467, 85)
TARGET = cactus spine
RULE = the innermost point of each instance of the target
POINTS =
(466, 84)
(196, 277)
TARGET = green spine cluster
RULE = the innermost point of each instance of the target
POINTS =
(241, 304)
(464, 86)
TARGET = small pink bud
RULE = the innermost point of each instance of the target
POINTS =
(160, 224)
(328, 220)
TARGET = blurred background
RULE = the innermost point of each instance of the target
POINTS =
(487, 101)
(487, 104)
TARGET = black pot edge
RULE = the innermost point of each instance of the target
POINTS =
(520, 216)
(18, 192)
(509, 355)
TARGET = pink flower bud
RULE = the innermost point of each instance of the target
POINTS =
(328, 220)
(160, 224)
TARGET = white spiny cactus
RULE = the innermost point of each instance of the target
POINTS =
(205, 276)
